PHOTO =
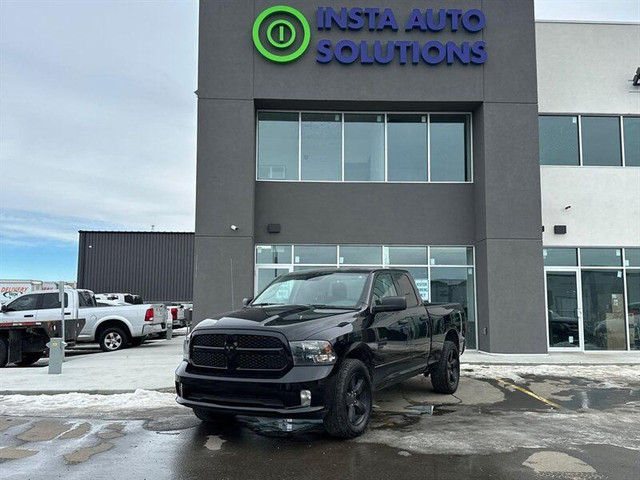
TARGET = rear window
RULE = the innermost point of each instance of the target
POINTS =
(133, 299)
(85, 299)
(52, 300)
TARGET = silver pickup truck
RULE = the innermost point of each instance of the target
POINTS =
(113, 327)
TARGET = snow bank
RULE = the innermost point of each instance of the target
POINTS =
(603, 376)
(139, 400)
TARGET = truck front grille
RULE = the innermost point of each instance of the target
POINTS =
(239, 354)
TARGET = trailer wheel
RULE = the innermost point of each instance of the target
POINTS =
(29, 358)
(4, 352)
(112, 339)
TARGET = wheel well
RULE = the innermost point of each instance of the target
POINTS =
(452, 336)
(364, 355)
(115, 324)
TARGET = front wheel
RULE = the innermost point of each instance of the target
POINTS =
(112, 339)
(446, 376)
(349, 400)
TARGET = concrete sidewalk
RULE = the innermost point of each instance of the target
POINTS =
(149, 367)
(564, 358)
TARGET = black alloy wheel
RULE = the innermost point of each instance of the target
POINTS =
(357, 400)
(446, 375)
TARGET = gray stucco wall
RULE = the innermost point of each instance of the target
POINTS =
(499, 213)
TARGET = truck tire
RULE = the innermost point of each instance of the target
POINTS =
(207, 416)
(29, 358)
(349, 400)
(446, 376)
(112, 339)
(4, 352)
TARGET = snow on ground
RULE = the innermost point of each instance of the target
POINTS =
(75, 403)
(601, 376)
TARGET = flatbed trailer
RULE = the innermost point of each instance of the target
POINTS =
(24, 343)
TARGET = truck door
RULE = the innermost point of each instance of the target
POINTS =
(417, 318)
(21, 309)
(49, 308)
(390, 334)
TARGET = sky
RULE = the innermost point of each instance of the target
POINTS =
(98, 121)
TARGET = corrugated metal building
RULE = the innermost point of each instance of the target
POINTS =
(156, 265)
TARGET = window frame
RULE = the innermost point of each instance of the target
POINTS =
(579, 116)
(468, 137)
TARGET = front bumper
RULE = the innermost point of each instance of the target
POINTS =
(260, 397)
(148, 329)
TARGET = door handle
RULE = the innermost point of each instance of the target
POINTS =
(28, 316)
(67, 313)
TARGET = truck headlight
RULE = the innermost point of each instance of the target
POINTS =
(185, 347)
(312, 352)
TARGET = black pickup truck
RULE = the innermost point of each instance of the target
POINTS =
(316, 344)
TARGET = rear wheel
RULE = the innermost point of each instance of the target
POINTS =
(4, 352)
(350, 400)
(208, 416)
(446, 376)
(112, 339)
(29, 358)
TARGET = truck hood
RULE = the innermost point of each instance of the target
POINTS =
(296, 322)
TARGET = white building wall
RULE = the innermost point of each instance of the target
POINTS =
(587, 67)
(604, 201)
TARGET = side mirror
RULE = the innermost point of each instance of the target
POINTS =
(246, 301)
(5, 308)
(390, 304)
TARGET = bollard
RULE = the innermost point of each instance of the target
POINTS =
(169, 333)
(56, 354)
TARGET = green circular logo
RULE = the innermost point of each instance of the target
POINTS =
(281, 33)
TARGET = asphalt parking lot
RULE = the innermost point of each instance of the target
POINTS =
(527, 426)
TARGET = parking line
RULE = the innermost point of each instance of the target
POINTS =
(530, 393)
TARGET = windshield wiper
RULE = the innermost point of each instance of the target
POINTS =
(266, 304)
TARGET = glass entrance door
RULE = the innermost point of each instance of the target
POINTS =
(564, 313)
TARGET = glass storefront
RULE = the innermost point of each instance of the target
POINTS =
(593, 298)
(442, 274)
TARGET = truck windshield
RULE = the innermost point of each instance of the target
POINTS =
(320, 289)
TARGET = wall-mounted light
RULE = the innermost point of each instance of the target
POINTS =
(273, 228)
(636, 78)
(560, 229)
(234, 228)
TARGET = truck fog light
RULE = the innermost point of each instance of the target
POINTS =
(305, 398)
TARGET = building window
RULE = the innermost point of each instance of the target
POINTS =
(407, 148)
(560, 257)
(631, 141)
(278, 145)
(364, 147)
(589, 140)
(601, 283)
(321, 146)
(559, 140)
(450, 148)
(601, 141)
(442, 274)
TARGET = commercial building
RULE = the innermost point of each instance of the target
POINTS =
(426, 136)
(156, 265)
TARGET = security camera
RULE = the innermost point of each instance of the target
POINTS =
(234, 228)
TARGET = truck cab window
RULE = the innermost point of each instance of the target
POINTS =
(25, 302)
(383, 287)
(405, 289)
(52, 300)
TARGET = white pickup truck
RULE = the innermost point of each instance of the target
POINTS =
(113, 327)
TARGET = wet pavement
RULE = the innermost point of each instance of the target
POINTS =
(490, 429)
